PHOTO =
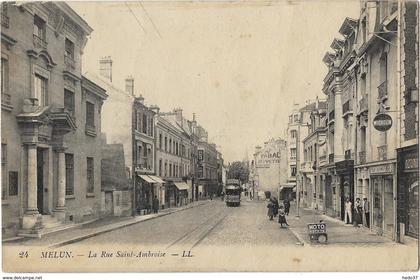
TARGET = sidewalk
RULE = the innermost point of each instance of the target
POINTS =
(338, 232)
(97, 227)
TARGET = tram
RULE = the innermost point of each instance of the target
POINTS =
(233, 192)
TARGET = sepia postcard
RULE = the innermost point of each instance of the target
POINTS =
(210, 136)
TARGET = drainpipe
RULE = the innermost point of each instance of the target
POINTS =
(398, 120)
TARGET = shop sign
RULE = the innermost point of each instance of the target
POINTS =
(382, 122)
(381, 169)
(200, 156)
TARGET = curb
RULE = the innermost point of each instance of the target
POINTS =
(86, 236)
(300, 242)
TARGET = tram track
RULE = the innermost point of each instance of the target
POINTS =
(192, 238)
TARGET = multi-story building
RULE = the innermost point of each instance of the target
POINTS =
(407, 153)
(169, 159)
(313, 148)
(51, 120)
(178, 158)
(206, 169)
(270, 170)
(297, 129)
(128, 121)
(373, 72)
(340, 88)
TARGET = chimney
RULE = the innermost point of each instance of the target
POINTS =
(140, 99)
(105, 67)
(129, 85)
(316, 103)
(178, 114)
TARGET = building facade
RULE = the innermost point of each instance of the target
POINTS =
(372, 129)
(270, 165)
(313, 148)
(48, 109)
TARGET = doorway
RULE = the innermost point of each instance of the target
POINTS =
(40, 180)
(383, 204)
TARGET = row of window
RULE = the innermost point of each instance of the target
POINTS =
(173, 169)
(144, 123)
(144, 156)
(11, 179)
(41, 93)
(174, 147)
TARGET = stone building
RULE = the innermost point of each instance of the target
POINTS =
(128, 121)
(51, 120)
(340, 89)
(314, 148)
(207, 179)
(297, 129)
(372, 89)
(270, 171)
(173, 154)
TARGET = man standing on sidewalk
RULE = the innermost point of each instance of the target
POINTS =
(366, 210)
(155, 204)
(347, 212)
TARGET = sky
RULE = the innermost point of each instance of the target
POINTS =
(239, 65)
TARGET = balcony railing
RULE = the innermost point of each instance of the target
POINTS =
(90, 129)
(383, 90)
(39, 42)
(363, 104)
(331, 158)
(347, 107)
(362, 157)
(347, 154)
(145, 163)
(69, 61)
(323, 158)
(5, 21)
(331, 116)
(382, 152)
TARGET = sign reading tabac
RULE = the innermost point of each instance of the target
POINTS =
(382, 122)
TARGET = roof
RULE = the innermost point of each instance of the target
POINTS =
(337, 44)
(348, 26)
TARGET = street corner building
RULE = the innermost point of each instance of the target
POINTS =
(270, 167)
(51, 120)
(372, 118)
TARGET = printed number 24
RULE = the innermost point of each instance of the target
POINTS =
(23, 254)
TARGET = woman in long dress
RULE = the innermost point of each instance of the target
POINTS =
(282, 216)
(270, 212)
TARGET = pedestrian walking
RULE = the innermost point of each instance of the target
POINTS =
(282, 216)
(366, 211)
(357, 212)
(286, 204)
(275, 206)
(270, 212)
(347, 212)
(155, 204)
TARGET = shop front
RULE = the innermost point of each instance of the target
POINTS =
(345, 180)
(408, 192)
(147, 188)
(383, 183)
(181, 193)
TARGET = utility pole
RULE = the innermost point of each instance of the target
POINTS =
(298, 172)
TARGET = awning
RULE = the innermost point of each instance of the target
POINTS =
(288, 186)
(147, 179)
(157, 179)
(181, 186)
